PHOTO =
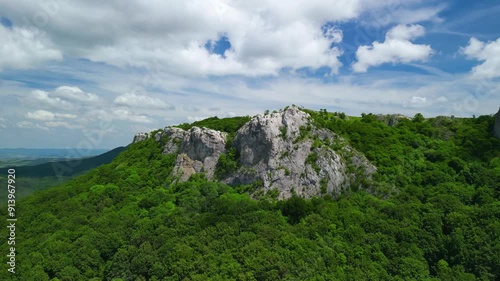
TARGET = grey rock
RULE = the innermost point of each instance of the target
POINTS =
(271, 148)
(158, 136)
(199, 150)
(174, 137)
(284, 151)
(140, 137)
(185, 167)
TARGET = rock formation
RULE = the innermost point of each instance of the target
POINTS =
(140, 137)
(281, 151)
(286, 152)
(198, 150)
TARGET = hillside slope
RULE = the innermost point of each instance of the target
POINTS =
(432, 213)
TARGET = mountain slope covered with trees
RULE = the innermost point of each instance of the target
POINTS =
(433, 214)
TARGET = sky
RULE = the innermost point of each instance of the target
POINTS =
(91, 74)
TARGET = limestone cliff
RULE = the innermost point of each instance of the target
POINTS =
(282, 151)
(286, 152)
(198, 150)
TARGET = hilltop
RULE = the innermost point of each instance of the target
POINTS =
(212, 201)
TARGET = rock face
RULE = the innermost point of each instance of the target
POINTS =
(198, 150)
(140, 137)
(282, 151)
(496, 128)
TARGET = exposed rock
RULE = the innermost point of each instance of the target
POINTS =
(140, 137)
(185, 167)
(391, 119)
(278, 150)
(199, 149)
(282, 151)
(496, 128)
(174, 138)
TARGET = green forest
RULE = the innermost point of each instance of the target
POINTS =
(433, 213)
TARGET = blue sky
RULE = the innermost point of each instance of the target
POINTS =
(86, 75)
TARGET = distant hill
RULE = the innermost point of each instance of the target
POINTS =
(35, 153)
(65, 168)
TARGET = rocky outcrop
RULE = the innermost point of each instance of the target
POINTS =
(174, 137)
(140, 137)
(285, 152)
(282, 151)
(198, 150)
(496, 128)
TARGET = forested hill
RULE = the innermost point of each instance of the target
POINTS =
(432, 213)
(65, 168)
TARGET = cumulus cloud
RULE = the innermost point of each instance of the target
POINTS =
(142, 101)
(396, 48)
(489, 53)
(126, 115)
(46, 99)
(265, 36)
(44, 115)
(62, 98)
(24, 48)
(74, 94)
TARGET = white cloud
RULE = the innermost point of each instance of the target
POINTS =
(74, 94)
(23, 48)
(196, 118)
(120, 114)
(396, 48)
(41, 115)
(124, 114)
(40, 98)
(142, 101)
(441, 99)
(489, 53)
(29, 125)
(44, 115)
(265, 36)
(63, 98)
(418, 100)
